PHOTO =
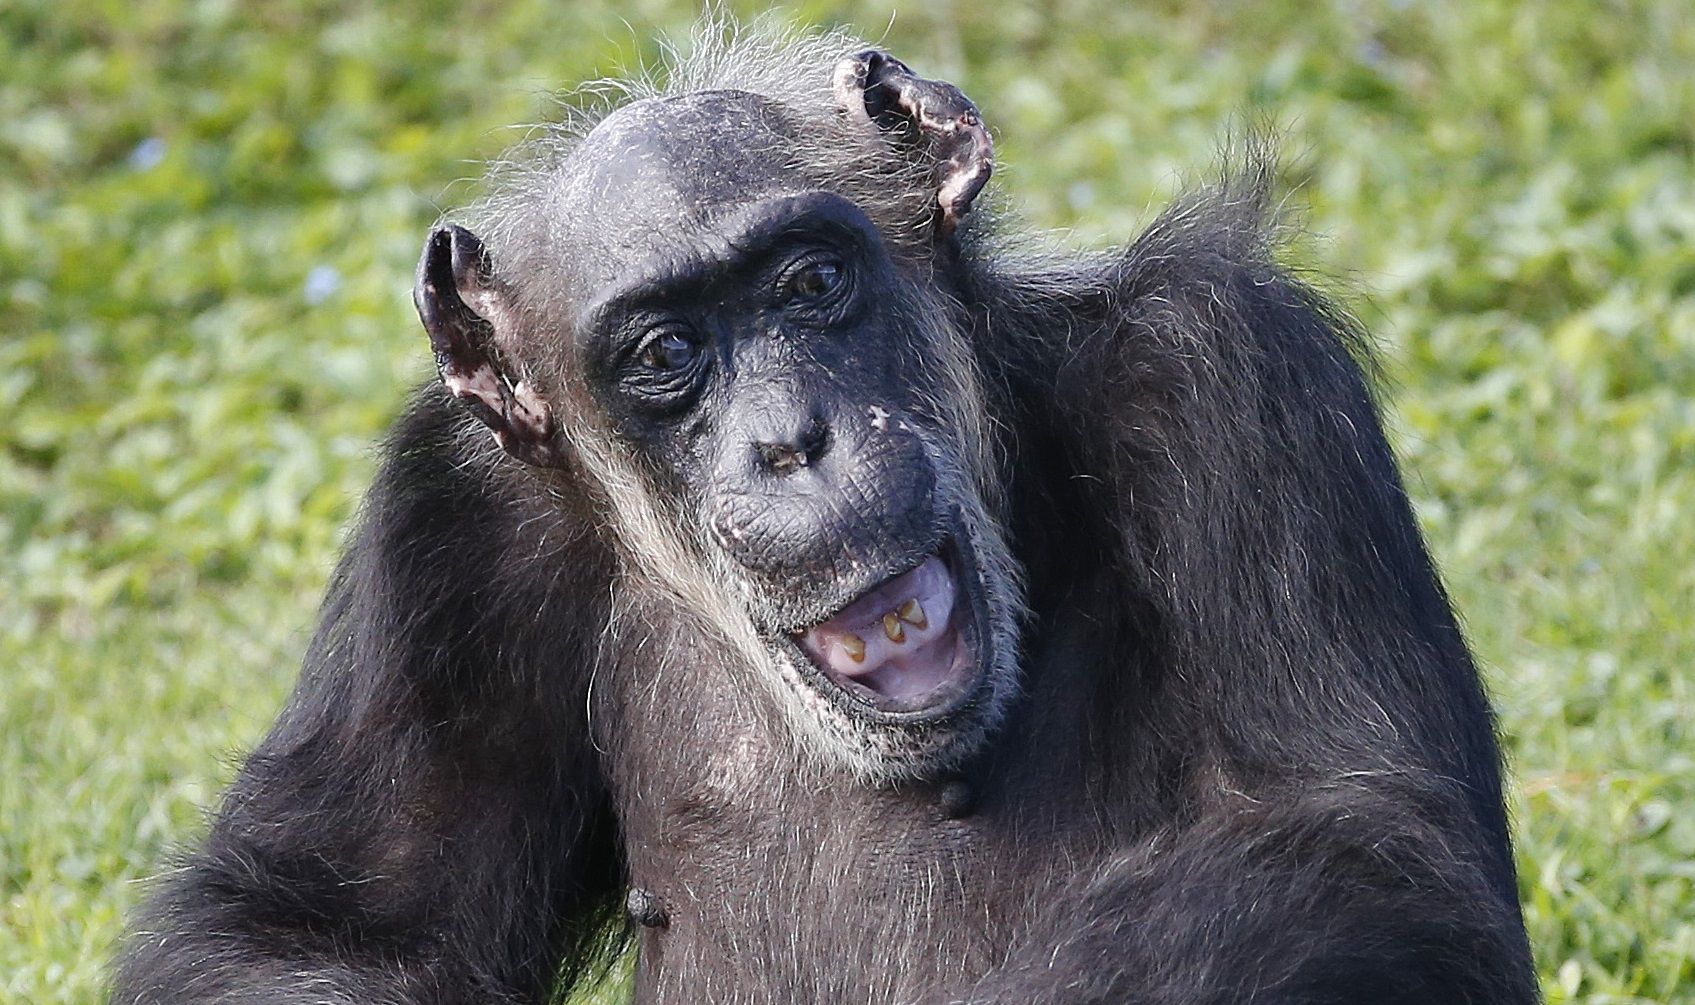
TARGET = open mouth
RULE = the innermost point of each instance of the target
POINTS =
(907, 645)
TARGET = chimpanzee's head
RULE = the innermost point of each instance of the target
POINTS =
(730, 312)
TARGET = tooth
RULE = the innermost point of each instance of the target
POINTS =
(913, 614)
(893, 628)
(854, 646)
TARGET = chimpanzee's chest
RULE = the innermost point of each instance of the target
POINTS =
(756, 879)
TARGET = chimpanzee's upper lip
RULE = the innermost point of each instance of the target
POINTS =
(906, 648)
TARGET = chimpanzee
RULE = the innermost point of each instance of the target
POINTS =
(853, 606)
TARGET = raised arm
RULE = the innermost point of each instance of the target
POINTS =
(425, 822)
(1337, 831)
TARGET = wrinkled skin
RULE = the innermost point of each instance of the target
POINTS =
(700, 239)
(1167, 703)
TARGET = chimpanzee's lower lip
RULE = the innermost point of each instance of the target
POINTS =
(908, 649)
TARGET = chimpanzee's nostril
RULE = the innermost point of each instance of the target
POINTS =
(798, 452)
(782, 457)
(815, 438)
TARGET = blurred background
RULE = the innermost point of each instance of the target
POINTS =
(209, 214)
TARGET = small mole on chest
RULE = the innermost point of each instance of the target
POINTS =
(957, 799)
(646, 908)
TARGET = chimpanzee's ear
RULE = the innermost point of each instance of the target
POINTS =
(876, 88)
(462, 308)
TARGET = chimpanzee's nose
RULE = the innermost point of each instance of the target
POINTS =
(789, 453)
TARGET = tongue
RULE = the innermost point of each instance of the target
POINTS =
(896, 640)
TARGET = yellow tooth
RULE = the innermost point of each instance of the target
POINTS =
(855, 647)
(893, 628)
(913, 614)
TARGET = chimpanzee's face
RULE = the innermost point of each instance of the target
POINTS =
(783, 413)
(788, 382)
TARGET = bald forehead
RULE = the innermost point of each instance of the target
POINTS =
(693, 148)
(662, 167)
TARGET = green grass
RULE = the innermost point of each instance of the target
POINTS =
(209, 214)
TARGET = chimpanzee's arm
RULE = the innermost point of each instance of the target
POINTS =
(1341, 895)
(1340, 834)
(425, 821)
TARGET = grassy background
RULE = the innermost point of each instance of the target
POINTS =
(209, 214)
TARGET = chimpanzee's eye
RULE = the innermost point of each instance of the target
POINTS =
(669, 350)
(814, 280)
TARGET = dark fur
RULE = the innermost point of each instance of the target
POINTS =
(1252, 761)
